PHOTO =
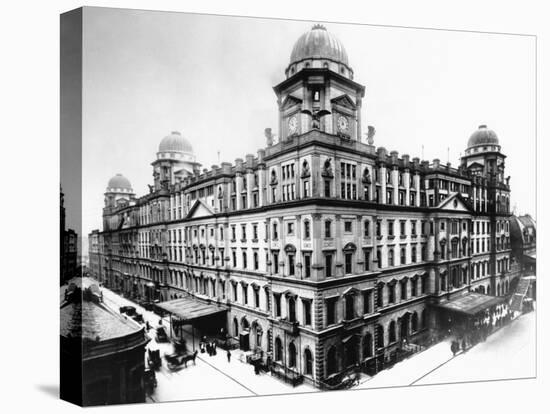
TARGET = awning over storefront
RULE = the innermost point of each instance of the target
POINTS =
(471, 303)
(189, 308)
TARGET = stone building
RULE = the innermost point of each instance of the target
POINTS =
(327, 251)
(102, 353)
(68, 246)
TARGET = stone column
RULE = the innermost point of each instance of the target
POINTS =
(382, 176)
(395, 182)
(407, 184)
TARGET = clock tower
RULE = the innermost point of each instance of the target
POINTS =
(319, 92)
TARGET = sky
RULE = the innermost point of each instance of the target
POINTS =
(147, 73)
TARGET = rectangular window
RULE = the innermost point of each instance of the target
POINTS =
(244, 260)
(256, 261)
(366, 229)
(234, 254)
(255, 231)
(331, 311)
(414, 283)
(290, 228)
(275, 262)
(391, 293)
(291, 267)
(328, 265)
(257, 297)
(327, 188)
(327, 229)
(307, 265)
(367, 259)
(307, 312)
(277, 304)
(243, 232)
(390, 228)
(307, 234)
(275, 232)
(378, 228)
(367, 301)
(348, 263)
(347, 226)
(402, 227)
(245, 294)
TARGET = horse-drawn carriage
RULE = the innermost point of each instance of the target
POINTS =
(175, 360)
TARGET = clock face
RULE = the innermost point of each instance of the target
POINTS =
(292, 124)
(343, 124)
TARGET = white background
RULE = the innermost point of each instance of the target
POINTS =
(30, 146)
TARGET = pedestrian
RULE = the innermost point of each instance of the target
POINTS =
(463, 344)
(228, 355)
(453, 347)
(256, 368)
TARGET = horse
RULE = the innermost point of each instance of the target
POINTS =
(188, 358)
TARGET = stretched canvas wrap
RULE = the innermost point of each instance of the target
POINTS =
(252, 206)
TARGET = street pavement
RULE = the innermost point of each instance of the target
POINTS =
(211, 376)
(508, 353)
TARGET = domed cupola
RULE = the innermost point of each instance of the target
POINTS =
(118, 190)
(119, 184)
(175, 143)
(482, 140)
(318, 48)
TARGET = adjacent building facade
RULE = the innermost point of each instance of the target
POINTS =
(68, 247)
(329, 252)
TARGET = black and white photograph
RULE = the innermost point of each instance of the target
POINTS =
(280, 206)
(274, 207)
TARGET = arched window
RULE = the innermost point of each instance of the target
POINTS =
(367, 345)
(291, 309)
(391, 332)
(379, 336)
(235, 327)
(424, 319)
(278, 349)
(331, 361)
(244, 324)
(307, 229)
(308, 362)
(414, 322)
(291, 355)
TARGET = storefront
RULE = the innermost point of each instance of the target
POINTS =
(191, 315)
(466, 313)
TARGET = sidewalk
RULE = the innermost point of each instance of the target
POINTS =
(507, 353)
(212, 376)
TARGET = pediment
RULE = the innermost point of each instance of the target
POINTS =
(475, 166)
(290, 101)
(454, 203)
(199, 209)
(345, 101)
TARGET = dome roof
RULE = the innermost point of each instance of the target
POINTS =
(483, 136)
(318, 43)
(175, 142)
(119, 181)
